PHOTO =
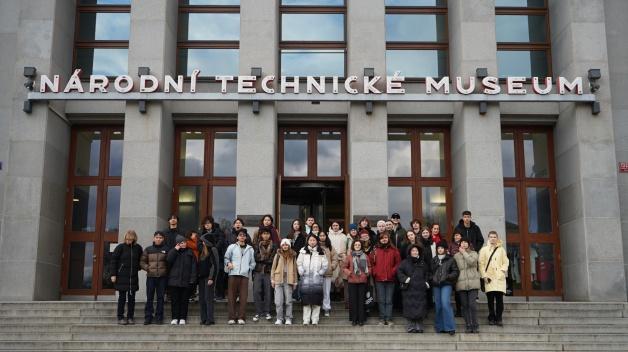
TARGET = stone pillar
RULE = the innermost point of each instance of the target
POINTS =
(589, 218)
(476, 139)
(146, 190)
(31, 234)
(257, 133)
(367, 134)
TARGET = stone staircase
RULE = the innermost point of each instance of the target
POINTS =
(91, 326)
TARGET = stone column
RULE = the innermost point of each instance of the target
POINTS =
(589, 218)
(367, 134)
(257, 133)
(31, 234)
(476, 139)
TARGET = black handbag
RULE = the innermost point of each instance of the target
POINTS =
(482, 287)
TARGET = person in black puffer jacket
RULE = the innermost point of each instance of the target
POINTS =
(211, 232)
(444, 276)
(414, 276)
(208, 270)
(425, 239)
(181, 279)
(172, 231)
(125, 263)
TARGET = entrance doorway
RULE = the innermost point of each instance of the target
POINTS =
(324, 201)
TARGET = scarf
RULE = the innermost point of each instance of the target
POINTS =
(441, 257)
(193, 245)
(360, 264)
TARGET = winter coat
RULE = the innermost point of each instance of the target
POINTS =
(279, 263)
(154, 262)
(398, 236)
(125, 263)
(209, 261)
(274, 235)
(497, 269)
(444, 272)
(414, 296)
(216, 236)
(473, 234)
(385, 262)
(182, 264)
(332, 259)
(403, 250)
(312, 265)
(349, 273)
(469, 278)
(299, 242)
(243, 260)
(171, 237)
(264, 266)
(338, 242)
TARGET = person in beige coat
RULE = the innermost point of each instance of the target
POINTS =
(332, 259)
(493, 265)
(468, 284)
(283, 278)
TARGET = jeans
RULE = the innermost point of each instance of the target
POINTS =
(155, 285)
(262, 293)
(238, 288)
(444, 314)
(311, 314)
(356, 298)
(206, 300)
(123, 297)
(283, 296)
(180, 300)
(495, 305)
(469, 308)
(385, 292)
(327, 293)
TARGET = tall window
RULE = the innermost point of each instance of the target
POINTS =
(209, 37)
(417, 38)
(419, 179)
(522, 33)
(313, 37)
(205, 175)
(102, 37)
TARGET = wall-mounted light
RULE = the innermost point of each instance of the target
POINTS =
(483, 107)
(256, 106)
(369, 107)
(481, 72)
(594, 75)
(369, 72)
(257, 73)
(29, 72)
(143, 71)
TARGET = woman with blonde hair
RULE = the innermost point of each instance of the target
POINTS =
(493, 264)
(125, 263)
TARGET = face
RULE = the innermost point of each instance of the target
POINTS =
(440, 250)
(381, 226)
(322, 237)
(158, 240)
(395, 220)
(492, 238)
(335, 226)
(267, 221)
(464, 245)
(207, 225)
(457, 237)
(416, 226)
(466, 219)
(364, 237)
(285, 247)
(411, 236)
(309, 221)
(315, 228)
(241, 238)
(383, 240)
(128, 241)
(353, 233)
(312, 242)
(425, 234)
(435, 229)
(183, 244)
(414, 252)
(237, 225)
(364, 224)
(357, 246)
(173, 221)
(194, 236)
(389, 225)
(265, 236)
(296, 226)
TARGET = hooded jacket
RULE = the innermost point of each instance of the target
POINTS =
(469, 278)
(385, 261)
(497, 268)
(289, 262)
(472, 233)
(243, 260)
(183, 269)
(125, 263)
(444, 272)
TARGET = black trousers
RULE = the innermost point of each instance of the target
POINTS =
(206, 300)
(458, 303)
(357, 296)
(180, 298)
(495, 305)
(124, 297)
(155, 285)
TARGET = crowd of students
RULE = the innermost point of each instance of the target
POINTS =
(367, 268)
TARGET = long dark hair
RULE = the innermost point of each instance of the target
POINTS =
(327, 241)
(318, 246)
(261, 222)
(209, 219)
(290, 235)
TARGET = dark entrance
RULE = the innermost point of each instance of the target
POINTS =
(323, 200)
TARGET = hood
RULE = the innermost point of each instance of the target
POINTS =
(332, 232)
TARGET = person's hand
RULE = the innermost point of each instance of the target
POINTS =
(113, 279)
(272, 284)
(177, 247)
(407, 280)
(210, 282)
(230, 266)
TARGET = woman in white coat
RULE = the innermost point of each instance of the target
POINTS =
(493, 264)
(312, 264)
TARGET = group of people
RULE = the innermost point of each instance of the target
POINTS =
(309, 265)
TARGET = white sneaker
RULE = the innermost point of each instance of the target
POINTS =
(231, 322)
(327, 313)
(314, 323)
(174, 322)
(182, 322)
(256, 318)
(278, 322)
(241, 322)
(268, 316)
(306, 323)
(288, 321)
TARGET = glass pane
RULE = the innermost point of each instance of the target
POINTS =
(400, 201)
(542, 266)
(425, 3)
(211, 2)
(328, 154)
(536, 155)
(522, 63)
(520, 3)
(314, 62)
(225, 154)
(514, 269)
(102, 61)
(84, 202)
(211, 62)
(115, 153)
(105, 2)
(192, 155)
(434, 205)
(107, 253)
(520, 29)
(87, 159)
(399, 155)
(511, 206)
(416, 28)
(113, 209)
(209, 26)
(313, 2)
(295, 154)
(508, 154)
(81, 265)
(417, 63)
(432, 154)
(223, 206)
(539, 210)
(312, 27)
(104, 26)
(189, 207)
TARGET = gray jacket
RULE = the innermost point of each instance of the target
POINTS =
(243, 260)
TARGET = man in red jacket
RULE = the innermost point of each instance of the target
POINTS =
(385, 259)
